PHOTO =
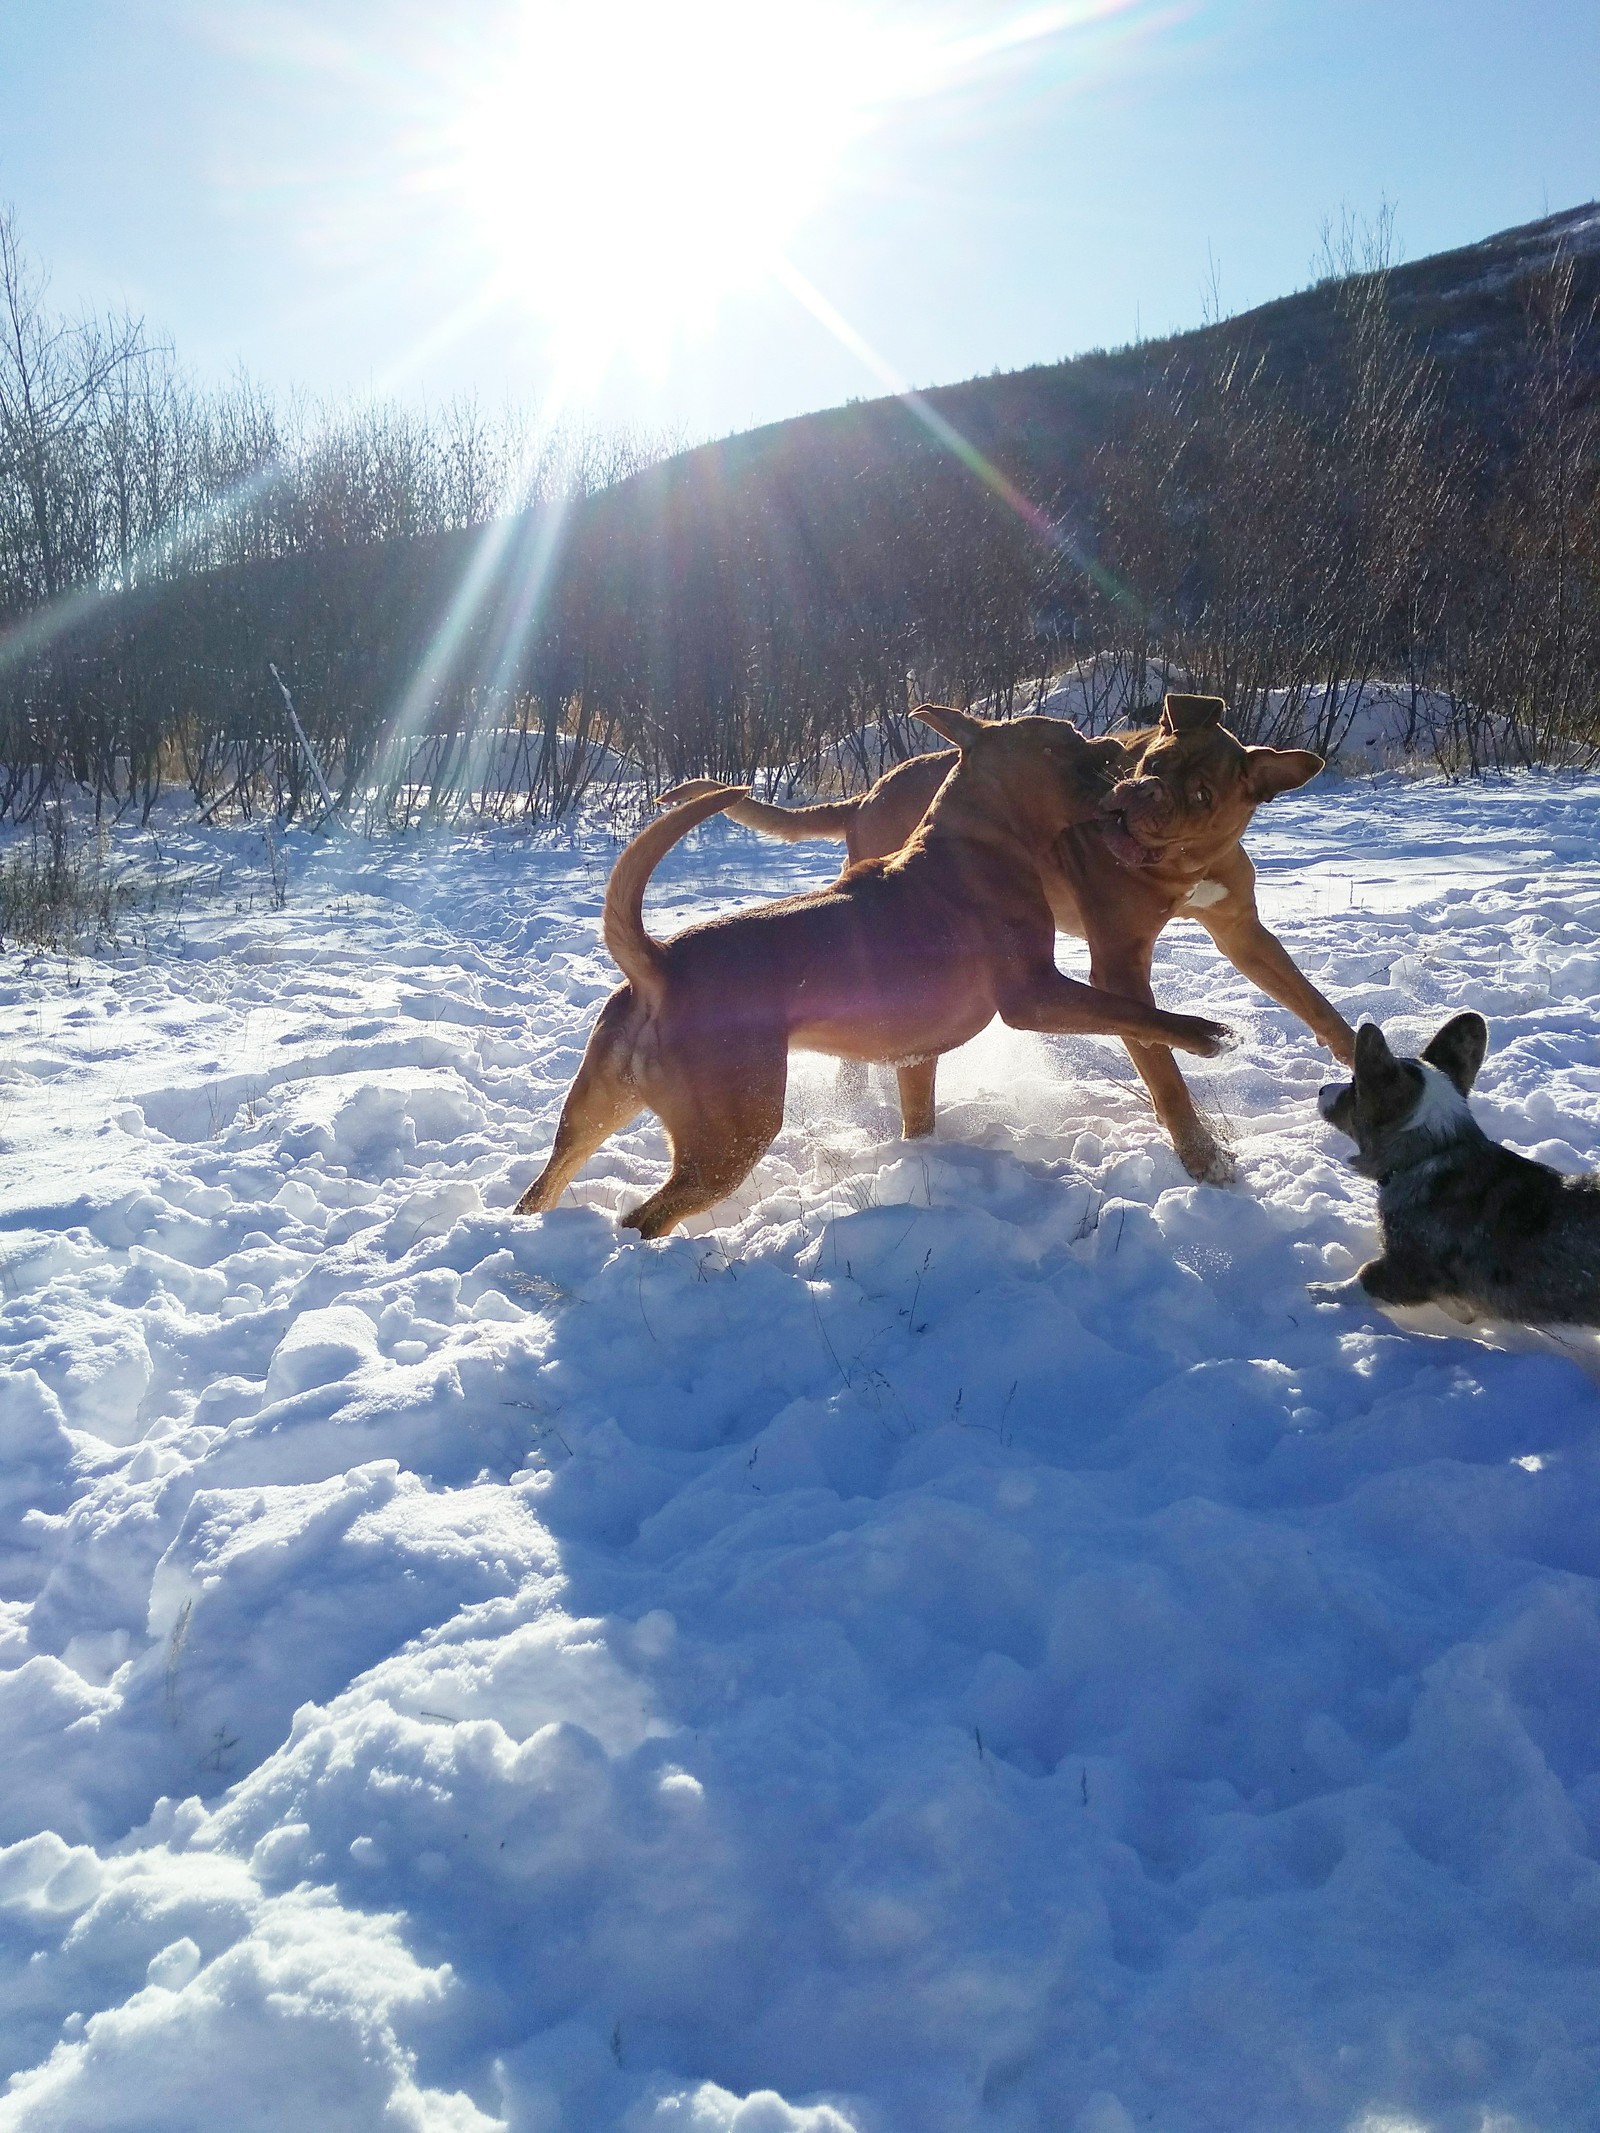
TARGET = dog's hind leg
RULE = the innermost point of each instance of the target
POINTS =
(717, 1140)
(599, 1103)
(916, 1098)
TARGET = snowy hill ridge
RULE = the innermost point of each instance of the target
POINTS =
(1466, 307)
(957, 1642)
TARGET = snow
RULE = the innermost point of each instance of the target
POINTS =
(960, 1640)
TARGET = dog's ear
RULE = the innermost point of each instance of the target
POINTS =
(1189, 714)
(955, 726)
(1270, 771)
(1458, 1049)
(1376, 1066)
(1110, 752)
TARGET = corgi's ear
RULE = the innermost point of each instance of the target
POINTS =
(1271, 771)
(956, 726)
(1458, 1049)
(1372, 1047)
(1376, 1066)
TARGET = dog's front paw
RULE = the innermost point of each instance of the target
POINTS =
(1337, 1292)
(1207, 1039)
(1207, 1161)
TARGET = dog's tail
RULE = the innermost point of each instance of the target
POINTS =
(635, 954)
(830, 818)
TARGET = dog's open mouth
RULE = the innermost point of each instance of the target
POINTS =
(1130, 850)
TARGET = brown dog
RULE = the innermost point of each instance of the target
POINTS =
(902, 959)
(1166, 845)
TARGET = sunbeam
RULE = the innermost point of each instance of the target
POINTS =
(167, 550)
(635, 164)
(484, 580)
(945, 433)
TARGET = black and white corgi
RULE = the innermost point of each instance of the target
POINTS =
(1465, 1223)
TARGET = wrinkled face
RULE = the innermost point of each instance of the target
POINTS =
(1187, 788)
(1193, 788)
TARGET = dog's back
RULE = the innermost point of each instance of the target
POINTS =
(1508, 1235)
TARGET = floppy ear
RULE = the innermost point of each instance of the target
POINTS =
(954, 726)
(1458, 1049)
(1187, 714)
(1271, 771)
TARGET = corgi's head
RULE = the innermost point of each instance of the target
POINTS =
(1394, 1109)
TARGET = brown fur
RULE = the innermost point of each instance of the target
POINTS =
(1186, 795)
(902, 959)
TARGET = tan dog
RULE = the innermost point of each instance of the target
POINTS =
(1166, 845)
(902, 959)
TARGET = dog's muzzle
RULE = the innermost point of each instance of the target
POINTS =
(1328, 1095)
(1123, 813)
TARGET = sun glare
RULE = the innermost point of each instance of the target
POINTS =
(616, 170)
(631, 164)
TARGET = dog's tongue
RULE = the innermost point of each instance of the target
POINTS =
(1124, 845)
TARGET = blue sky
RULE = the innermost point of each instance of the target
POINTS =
(365, 198)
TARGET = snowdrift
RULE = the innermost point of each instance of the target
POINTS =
(959, 1641)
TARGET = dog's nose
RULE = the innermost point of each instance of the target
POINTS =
(1328, 1095)
(1127, 792)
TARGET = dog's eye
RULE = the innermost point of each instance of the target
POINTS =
(1202, 795)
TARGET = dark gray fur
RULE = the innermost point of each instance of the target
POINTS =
(1465, 1223)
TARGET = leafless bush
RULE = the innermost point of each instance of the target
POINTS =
(59, 892)
(1523, 642)
(479, 614)
(1276, 546)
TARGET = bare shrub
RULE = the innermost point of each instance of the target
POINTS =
(477, 613)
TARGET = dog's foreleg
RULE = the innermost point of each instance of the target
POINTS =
(1338, 1292)
(1125, 968)
(1046, 1000)
(1264, 960)
(1199, 1150)
(1384, 1281)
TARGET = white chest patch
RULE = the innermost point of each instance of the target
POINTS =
(1204, 894)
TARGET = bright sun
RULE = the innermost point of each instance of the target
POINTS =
(633, 162)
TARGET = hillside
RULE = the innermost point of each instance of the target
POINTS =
(1402, 478)
(1466, 309)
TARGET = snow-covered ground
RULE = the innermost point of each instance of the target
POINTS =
(958, 1642)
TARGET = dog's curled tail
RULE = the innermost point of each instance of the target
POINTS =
(635, 954)
(829, 818)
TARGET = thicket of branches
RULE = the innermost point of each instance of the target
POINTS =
(468, 621)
